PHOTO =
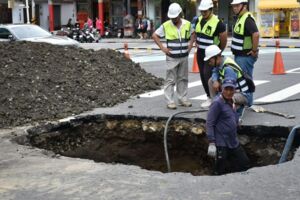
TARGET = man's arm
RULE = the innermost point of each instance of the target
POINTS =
(215, 79)
(159, 44)
(211, 121)
(223, 40)
(255, 41)
(192, 40)
(251, 28)
(222, 33)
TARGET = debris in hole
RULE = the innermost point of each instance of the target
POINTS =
(140, 142)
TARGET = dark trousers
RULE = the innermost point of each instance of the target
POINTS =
(231, 160)
(205, 70)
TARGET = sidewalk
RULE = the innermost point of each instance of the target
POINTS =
(136, 40)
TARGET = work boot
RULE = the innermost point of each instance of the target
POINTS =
(171, 106)
(185, 103)
(206, 103)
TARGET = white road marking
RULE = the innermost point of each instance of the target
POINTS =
(281, 94)
(294, 71)
(154, 58)
(204, 97)
(161, 92)
(190, 85)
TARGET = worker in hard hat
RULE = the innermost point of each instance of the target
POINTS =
(177, 32)
(209, 30)
(222, 68)
(221, 131)
(245, 38)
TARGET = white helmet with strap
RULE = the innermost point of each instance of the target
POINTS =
(211, 51)
(174, 10)
(238, 2)
(205, 5)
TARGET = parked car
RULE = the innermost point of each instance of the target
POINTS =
(32, 33)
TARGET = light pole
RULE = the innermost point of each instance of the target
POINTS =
(27, 12)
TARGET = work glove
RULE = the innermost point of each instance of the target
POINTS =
(212, 150)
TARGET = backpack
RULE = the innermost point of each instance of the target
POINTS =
(246, 76)
(144, 24)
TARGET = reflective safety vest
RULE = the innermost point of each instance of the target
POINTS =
(205, 34)
(177, 44)
(241, 82)
(240, 42)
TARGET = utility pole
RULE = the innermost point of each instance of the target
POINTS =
(51, 15)
(33, 19)
(140, 9)
(27, 12)
(101, 15)
(128, 7)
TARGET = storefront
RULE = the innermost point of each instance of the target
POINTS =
(279, 18)
(5, 12)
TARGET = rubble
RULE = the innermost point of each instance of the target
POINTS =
(42, 82)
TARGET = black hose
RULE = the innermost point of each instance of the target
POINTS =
(288, 145)
(166, 131)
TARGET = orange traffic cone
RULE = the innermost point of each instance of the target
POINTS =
(195, 68)
(278, 67)
(126, 53)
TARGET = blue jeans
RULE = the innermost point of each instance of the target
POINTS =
(247, 65)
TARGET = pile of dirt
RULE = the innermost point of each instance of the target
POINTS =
(40, 81)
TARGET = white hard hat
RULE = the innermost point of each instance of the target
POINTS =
(239, 1)
(211, 51)
(174, 10)
(205, 5)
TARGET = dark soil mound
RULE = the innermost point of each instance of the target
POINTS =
(43, 82)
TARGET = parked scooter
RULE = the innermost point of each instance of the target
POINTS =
(91, 35)
(113, 31)
(76, 33)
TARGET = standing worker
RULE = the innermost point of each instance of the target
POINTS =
(245, 38)
(209, 30)
(221, 126)
(177, 32)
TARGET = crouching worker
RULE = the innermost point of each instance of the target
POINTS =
(224, 67)
(221, 127)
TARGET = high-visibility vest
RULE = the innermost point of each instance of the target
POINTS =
(177, 44)
(240, 42)
(205, 34)
(241, 82)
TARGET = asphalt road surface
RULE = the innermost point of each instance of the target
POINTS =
(28, 173)
(270, 88)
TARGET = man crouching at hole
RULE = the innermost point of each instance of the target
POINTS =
(221, 127)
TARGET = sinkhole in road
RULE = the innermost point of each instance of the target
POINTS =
(139, 141)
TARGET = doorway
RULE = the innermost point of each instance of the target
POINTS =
(57, 16)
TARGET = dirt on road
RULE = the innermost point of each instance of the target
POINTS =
(41, 82)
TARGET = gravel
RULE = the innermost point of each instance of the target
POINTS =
(41, 82)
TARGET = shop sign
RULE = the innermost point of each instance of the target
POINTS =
(267, 24)
(295, 29)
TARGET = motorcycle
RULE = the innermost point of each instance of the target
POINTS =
(91, 35)
(96, 35)
(113, 31)
(107, 31)
(76, 33)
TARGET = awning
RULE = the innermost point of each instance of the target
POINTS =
(278, 4)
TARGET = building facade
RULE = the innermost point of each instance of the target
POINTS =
(275, 18)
